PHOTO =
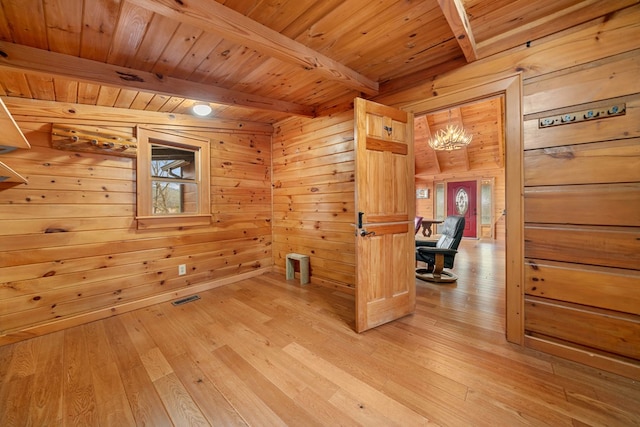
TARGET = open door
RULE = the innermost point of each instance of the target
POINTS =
(385, 211)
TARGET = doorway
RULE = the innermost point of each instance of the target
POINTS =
(510, 88)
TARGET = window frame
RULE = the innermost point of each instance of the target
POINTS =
(200, 146)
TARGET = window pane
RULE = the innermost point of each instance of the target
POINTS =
(173, 198)
(462, 202)
(440, 206)
(170, 193)
(172, 163)
(485, 191)
(440, 213)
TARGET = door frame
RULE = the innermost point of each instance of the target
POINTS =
(510, 87)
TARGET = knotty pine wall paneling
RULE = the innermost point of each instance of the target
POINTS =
(426, 207)
(69, 248)
(582, 210)
(313, 196)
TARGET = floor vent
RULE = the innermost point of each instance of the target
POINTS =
(186, 300)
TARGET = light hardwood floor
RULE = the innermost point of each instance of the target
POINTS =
(267, 352)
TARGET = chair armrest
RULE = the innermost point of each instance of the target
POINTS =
(426, 243)
(443, 251)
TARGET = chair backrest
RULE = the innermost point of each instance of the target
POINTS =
(418, 223)
(451, 232)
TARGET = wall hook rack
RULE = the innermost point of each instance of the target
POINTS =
(93, 140)
(583, 115)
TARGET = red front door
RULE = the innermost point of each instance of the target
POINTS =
(461, 200)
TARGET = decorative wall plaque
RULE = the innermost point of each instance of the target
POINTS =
(422, 193)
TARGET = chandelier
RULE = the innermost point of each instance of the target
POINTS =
(450, 138)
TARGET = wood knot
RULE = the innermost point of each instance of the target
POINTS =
(560, 152)
(129, 77)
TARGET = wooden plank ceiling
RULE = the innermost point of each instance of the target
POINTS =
(483, 120)
(260, 60)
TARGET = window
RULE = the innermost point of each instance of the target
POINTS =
(486, 204)
(172, 180)
(487, 223)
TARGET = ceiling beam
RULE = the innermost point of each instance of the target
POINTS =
(456, 114)
(39, 111)
(422, 135)
(456, 16)
(44, 62)
(213, 17)
(465, 154)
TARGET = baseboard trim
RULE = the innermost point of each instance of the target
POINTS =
(342, 287)
(594, 360)
(80, 319)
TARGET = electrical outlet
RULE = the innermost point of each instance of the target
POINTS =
(182, 269)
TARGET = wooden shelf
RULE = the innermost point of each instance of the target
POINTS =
(11, 135)
(11, 138)
(9, 175)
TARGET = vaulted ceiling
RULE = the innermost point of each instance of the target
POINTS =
(484, 120)
(260, 60)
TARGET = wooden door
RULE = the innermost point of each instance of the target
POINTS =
(462, 200)
(385, 211)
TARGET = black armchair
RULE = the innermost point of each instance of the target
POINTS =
(440, 254)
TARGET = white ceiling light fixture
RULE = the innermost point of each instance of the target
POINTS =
(201, 109)
(450, 138)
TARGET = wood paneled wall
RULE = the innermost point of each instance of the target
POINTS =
(582, 210)
(313, 196)
(426, 207)
(69, 248)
